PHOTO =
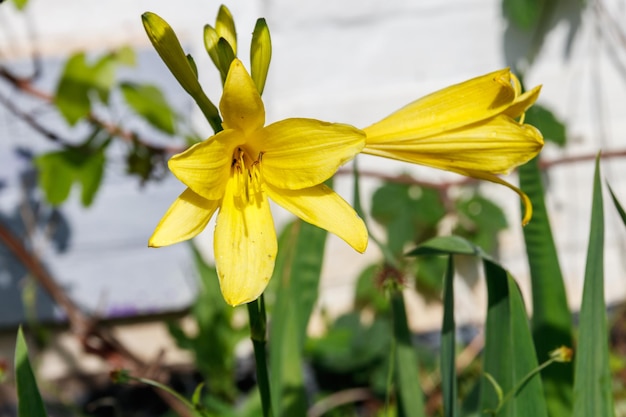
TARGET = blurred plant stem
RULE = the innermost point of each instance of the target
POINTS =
(258, 327)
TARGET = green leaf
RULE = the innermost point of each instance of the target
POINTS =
(551, 320)
(171, 52)
(297, 274)
(428, 282)
(410, 395)
(448, 346)
(618, 206)
(125, 56)
(30, 403)
(592, 381)
(409, 212)
(55, 176)
(90, 176)
(445, 245)
(72, 95)
(509, 354)
(148, 101)
(60, 170)
(103, 76)
(260, 54)
(482, 220)
(80, 80)
(524, 14)
(368, 293)
(553, 130)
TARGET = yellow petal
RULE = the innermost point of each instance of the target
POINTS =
(205, 167)
(528, 207)
(324, 208)
(245, 242)
(523, 102)
(461, 104)
(241, 104)
(186, 217)
(495, 146)
(301, 153)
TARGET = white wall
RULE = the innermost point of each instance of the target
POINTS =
(356, 61)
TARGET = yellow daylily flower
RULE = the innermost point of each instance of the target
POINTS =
(237, 170)
(469, 128)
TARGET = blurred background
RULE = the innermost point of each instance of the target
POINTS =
(351, 62)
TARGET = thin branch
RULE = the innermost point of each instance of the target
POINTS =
(94, 339)
(26, 86)
(31, 121)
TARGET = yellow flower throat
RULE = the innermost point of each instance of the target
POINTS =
(247, 175)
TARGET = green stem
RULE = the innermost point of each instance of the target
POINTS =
(258, 325)
(390, 259)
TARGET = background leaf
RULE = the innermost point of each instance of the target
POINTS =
(524, 14)
(149, 102)
(410, 213)
(60, 170)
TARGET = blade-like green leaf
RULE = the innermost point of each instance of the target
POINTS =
(29, 399)
(410, 396)
(551, 321)
(171, 52)
(592, 381)
(448, 346)
(618, 206)
(509, 354)
(297, 272)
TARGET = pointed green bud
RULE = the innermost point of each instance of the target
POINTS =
(226, 55)
(171, 52)
(211, 38)
(260, 54)
(225, 27)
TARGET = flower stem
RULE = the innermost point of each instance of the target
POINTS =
(258, 325)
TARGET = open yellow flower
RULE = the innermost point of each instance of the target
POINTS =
(239, 168)
(468, 128)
